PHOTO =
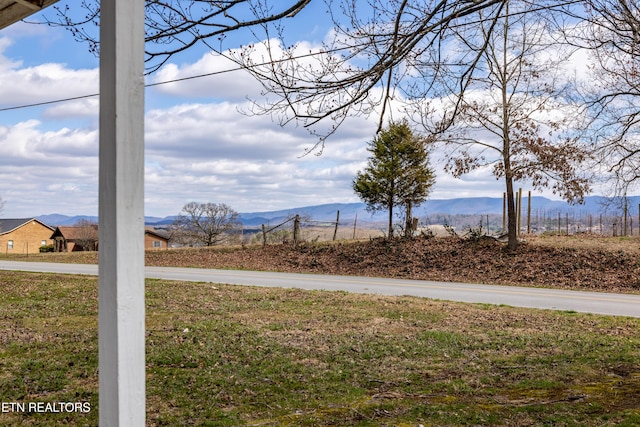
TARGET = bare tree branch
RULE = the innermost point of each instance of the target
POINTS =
(173, 26)
(611, 33)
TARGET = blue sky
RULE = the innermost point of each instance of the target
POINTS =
(199, 146)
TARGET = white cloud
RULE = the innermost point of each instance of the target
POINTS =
(199, 146)
(80, 108)
(43, 83)
(39, 169)
(218, 80)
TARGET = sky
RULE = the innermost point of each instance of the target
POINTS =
(200, 145)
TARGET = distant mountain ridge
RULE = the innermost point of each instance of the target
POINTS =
(594, 205)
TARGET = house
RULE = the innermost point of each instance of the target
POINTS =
(155, 240)
(23, 236)
(73, 239)
(85, 238)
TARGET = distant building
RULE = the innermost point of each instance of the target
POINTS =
(23, 236)
(85, 238)
(154, 239)
(73, 239)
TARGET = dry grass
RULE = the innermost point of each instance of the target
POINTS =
(626, 244)
(224, 355)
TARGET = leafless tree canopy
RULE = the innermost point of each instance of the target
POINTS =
(612, 34)
(514, 116)
(173, 26)
(380, 48)
(384, 51)
(205, 224)
(86, 235)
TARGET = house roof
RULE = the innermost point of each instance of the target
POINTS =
(8, 225)
(159, 234)
(73, 233)
(12, 11)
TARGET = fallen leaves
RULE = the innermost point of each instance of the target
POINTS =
(441, 259)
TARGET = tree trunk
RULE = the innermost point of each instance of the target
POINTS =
(512, 223)
(408, 220)
(390, 220)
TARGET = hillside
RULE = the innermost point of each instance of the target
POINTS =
(586, 262)
(594, 205)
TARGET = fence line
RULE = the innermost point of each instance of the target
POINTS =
(297, 225)
(531, 221)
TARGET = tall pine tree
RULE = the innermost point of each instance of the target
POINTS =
(397, 174)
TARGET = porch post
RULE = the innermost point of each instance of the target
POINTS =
(121, 326)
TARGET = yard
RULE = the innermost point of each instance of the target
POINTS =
(223, 355)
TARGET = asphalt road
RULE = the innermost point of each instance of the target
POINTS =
(552, 299)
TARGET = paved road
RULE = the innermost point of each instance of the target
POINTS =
(588, 302)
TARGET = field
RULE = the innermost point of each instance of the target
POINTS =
(223, 355)
(230, 356)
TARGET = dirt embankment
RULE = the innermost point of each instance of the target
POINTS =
(444, 259)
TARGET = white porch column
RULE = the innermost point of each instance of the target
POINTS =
(121, 327)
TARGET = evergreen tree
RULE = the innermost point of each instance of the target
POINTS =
(397, 174)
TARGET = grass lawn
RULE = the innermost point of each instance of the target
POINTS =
(224, 355)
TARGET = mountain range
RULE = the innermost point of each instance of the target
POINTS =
(593, 205)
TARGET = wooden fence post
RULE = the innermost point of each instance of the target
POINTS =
(529, 213)
(355, 221)
(601, 227)
(517, 216)
(296, 230)
(264, 236)
(335, 230)
(504, 212)
(519, 211)
(626, 214)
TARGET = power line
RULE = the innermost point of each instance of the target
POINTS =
(38, 104)
(311, 54)
(197, 76)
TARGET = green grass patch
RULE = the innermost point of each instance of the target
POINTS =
(224, 355)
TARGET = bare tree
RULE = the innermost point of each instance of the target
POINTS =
(207, 224)
(612, 35)
(173, 26)
(513, 116)
(85, 235)
(380, 52)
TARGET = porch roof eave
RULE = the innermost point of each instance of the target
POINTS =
(12, 11)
